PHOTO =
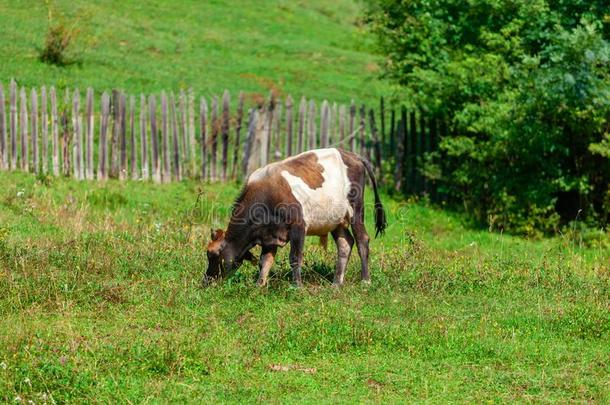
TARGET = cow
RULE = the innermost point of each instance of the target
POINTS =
(311, 194)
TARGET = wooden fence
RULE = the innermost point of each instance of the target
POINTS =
(169, 137)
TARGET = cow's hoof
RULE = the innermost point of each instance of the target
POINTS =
(366, 282)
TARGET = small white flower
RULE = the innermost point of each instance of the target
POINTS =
(27, 381)
(20, 193)
(3, 366)
(17, 398)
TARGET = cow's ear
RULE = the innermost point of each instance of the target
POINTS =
(216, 234)
(250, 257)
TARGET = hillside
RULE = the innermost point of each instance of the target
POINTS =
(312, 48)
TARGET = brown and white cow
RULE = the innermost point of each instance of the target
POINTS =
(314, 193)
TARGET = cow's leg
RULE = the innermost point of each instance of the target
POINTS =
(362, 240)
(345, 241)
(265, 264)
(297, 241)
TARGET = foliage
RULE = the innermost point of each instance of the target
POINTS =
(101, 302)
(527, 85)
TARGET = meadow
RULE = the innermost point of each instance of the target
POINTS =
(100, 295)
(101, 302)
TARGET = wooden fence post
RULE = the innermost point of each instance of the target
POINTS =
(382, 122)
(421, 141)
(133, 156)
(432, 146)
(400, 158)
(249, 141)
(154, 139)
(311, 123)
(123, 137)
(414, 135)
(76, 146)
(334, 125)
(277, 130)
(185, 148)
(65, 120)
(342, 126)
(364, 152)
(289, 103)
(407, 142)
(165, 173)
(192, 142)
(45, 130)
(143, 144)
(225, 133)
(102, 171)
(34, 130)
(116, 129)
(23, 126)
(376, 144)
(203, 118)
(54, 132)
(352, 127)
(90, 133)
(3, 146)
(324, 124)
(268, 129)
(301, 128)
(215, 127)
(13, 124)
(177, 170)
(240, 117)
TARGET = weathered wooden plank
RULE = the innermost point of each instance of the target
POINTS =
(123, 137)
(362, 132)
(76, 136)
(13, 124)
(90, 121)
(44, 121)
(324, 124)
(215, 127)
(66, 139)
(191, 137)
(413, 135)
(154, 139)
(377, 147)
(133, 156)
(144, 165)
(34, 131)
(203, 131)
(114, 148)
(289, 105)
(185, 149)
(382, 122)
(277, 128)
(311, 124)
(352, 126)
(54, 132)
(225, 133)
(268, 129)
(165, 170)
(334, 125)
(400, 160)
(238, 123)
(249, 141)
(102, 171)
(23, 127)
(3, 144)
(342, 116)
(302, 124)
(176, 163)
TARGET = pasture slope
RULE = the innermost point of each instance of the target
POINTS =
(314, 48)
(100, 302)
(99, 293)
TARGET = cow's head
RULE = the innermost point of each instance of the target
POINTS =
(222, 257)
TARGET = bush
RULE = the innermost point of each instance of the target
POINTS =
(59, 39)
(526, 85)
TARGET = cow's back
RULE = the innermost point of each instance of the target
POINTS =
(318, 180)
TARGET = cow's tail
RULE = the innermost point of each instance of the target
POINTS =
(380, 219)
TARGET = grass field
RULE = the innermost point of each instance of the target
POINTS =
(101, 302)
(313, 48)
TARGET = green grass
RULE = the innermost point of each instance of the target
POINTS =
(100, 302)
(313, 48)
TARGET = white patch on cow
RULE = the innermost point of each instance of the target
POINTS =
(324, 207)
